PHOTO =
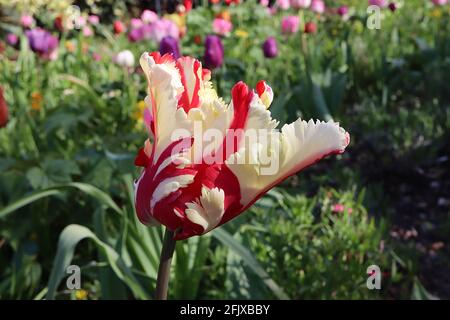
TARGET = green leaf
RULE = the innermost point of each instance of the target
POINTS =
(224, 237)
(68, 240)
(420, 293)
(94, 192)
(27, 200)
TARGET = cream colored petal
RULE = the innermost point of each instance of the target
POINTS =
(299, 144)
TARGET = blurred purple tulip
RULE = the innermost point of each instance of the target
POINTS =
(169, 45)
(213, 57)
(270, 48)
(43, 43)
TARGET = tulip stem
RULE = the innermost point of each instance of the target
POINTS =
(162, 282)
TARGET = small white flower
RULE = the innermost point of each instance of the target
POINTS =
(125, 58)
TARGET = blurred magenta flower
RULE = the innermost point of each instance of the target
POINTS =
(222, 26)
(149, 16)
(318, 6)
(26, 21)
(12, 39)
(96, 56)
(300, 4)
(439, 2)
(125, 58)
(192, 193)
(379, 3)
(310, 27)
(342, 11)
(43, 43)
(290, 24)
(338, 208)
(118, 27)
(270, 48)
(3, 110)
(213, 57)
(93, 19)
(135, 35)
(283, 4)
(169, 45)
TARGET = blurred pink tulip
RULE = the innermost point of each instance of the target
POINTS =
(318, 6)
(290, 24)
(149, 16)
(379, 3)
(439, 2)
(222, 26)
(26, 21)
(87, 31)
(94, 20)
(300, 4)
(283, 4)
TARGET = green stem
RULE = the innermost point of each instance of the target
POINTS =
(162, 281)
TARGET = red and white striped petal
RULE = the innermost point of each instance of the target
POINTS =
(164, 86)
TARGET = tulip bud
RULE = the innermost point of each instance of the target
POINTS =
(169, 45)
(125, 58)
(318, 6)
(94, 20)
(118, 27)
(300, 4)
(392, 6)
(439, 2)
(213, 57)
(43, 43)
(310, 27)
(3, 110)
(12, 39)
(26, 21)
(290, 24)
(135, 35)
(270, 48)
(342, 11)
(265, 93)
(379, 3)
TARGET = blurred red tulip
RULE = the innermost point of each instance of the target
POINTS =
(3, 110)
(58, 23)
(119, 27)
(310, 27)
(187, 5)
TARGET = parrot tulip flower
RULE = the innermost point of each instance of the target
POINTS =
(194, 180)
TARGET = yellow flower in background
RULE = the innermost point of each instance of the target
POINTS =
(70, 46)
(241, 33)
(179, 20)
(81, 294)
(138, 113)
(36, 101)
(436, 13)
